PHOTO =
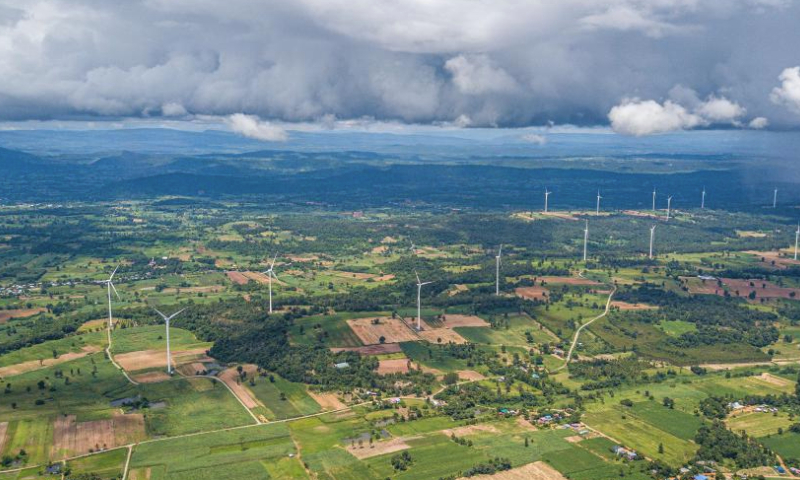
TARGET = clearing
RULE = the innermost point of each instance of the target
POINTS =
(393, 330)
(531, 471)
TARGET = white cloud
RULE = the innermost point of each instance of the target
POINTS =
(173, 109)
(638, 118)
(720, 110)
(758, 123)
(250, 126)
(534, 138)
(476, 75)
(788, 94)
(629, 18)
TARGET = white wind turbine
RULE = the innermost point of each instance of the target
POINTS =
(166, 321)
(597, 208)
(652, 235)
(775, 198)
(703, 199)
(420, 284)
(585, 239)
(110, 286)
(669, 206)
(546, 196)
(796, 238)
(654, 199)
(270, 273)
(497, 271)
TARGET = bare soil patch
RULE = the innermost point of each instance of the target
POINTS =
(562, 215)
(3, 430)
(780, 262)
(531, 471)
(636, 213)
(76, 438)
(378, 349)
(139, 474)
(397, 365)
(237, 277)
(230, 377)
(299, 259)
(631, 306)
(146, 359)
(526, 424)
(6, 315)
(393, 330)
(92, 325)
(31, 365)
(470, 430)
(151, 377)
(567, 281)
(469, 375)
(532, 293)
(453, 320)
(327, 400)
(457, 288)
(441, 335)
(741, 287)
(379, 448)
(773, 380)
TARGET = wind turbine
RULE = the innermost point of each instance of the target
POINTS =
(270, 273)
(669, 206)
(796, 238)
(585, 239)
(497, 271)
(546, 195)
(419, 307)
(166, 320)
(110, 286)
(703, 199)
(652, 235)
(597, 208)
(654, 199)
(775, 198)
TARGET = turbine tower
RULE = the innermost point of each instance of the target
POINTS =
(497, 271)
(110, 286)
(796, 238)
(546, 196)
(419, 305)
(703, 199)
(775, 198)
(166, 321)
(270, 273)
(654, 199)
(597, 208)
(585, 239)
(652, 235)
(669, 206)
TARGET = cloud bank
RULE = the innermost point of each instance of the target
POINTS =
(449, 62)
(250, 126)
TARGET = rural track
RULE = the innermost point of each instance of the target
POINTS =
(580, 329)
(111, 357)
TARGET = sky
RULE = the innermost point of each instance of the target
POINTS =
(261, 68)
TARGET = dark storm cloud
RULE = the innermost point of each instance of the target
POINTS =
(684, 63)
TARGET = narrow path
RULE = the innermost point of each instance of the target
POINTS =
(111, 357)
(127, 463)
(580, 329)
(215, 379)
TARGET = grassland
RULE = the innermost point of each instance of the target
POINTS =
(294, 402)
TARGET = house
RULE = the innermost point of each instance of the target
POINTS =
(341, 365)
(700, 476)
(394, 400)
(54, 469)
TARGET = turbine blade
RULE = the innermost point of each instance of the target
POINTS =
(175, 314)
(159, 312)
(115, 290)
(271, 265)
(113, 273)
(417, 274)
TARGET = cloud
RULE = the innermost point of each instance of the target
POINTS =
(638, 118)
(534, 138)
(720, 110)
(250, 126)
(788, 94)
(173, 109)
(758, 123)
(508, 64)
(475, 75)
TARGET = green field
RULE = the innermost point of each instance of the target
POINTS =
(296, 401)
(153, 337)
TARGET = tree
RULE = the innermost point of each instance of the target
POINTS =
(660, 448)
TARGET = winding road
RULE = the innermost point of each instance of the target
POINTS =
(580, 329)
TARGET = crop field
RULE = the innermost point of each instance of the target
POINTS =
(759, 424)
(255, 452)
(786, 445)
(153, 337)
(283, 399)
